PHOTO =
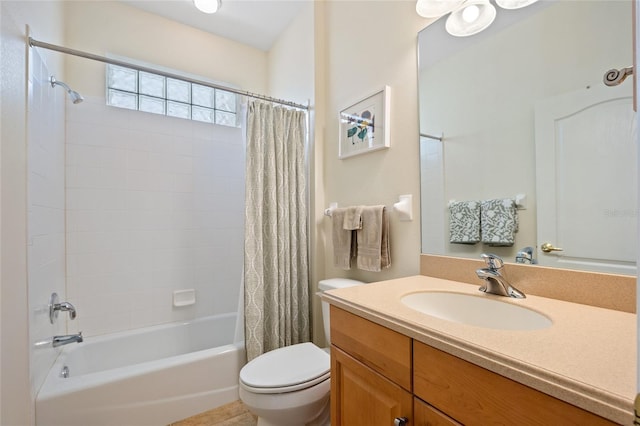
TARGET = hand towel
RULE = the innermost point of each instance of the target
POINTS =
(353, 218)
(464, 222)
(499, 221)
(373, 251)
(343, 244)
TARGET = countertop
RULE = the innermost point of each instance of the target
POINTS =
(587, 357)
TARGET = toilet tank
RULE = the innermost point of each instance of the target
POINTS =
(331, 284)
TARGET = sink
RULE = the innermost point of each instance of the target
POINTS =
(479, 311)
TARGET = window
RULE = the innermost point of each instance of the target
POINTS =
(154, 93)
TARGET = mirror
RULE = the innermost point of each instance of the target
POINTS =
(488, 96)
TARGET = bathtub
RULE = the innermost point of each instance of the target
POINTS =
(150, 376)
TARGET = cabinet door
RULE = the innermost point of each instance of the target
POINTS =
(426, 415)
(362, 397)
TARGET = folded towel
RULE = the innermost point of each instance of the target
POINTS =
(373, 249)
(499, 221)
(464, 222)
(353, 218)
(343, 243)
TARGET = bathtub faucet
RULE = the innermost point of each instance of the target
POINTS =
(66, 307)
(65, 340)
(55, 306)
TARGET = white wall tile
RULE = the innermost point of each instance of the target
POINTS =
(45, 217)
(151, 208)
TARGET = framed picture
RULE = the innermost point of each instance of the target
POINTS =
(364, 126)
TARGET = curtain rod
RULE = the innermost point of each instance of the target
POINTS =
(36, 43)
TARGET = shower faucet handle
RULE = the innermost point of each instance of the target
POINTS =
(55, 306)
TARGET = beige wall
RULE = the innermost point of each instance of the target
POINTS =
(370, 45)
(112, 28)
(290, 62)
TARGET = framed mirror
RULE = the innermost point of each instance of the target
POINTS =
(523, 114)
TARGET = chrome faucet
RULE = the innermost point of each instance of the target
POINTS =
(65, 340)
(495, 283)
(525, 255)
(55, 306)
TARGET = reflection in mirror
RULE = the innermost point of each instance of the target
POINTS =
(522, 109)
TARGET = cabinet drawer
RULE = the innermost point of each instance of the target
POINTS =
(382, 349)
(426, 415)
(473, 395)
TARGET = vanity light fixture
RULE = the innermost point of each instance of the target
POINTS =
(208, 6)
(467, 17)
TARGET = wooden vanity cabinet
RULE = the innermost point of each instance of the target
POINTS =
(379, 375)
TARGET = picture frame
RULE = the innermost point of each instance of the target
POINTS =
(364, 126)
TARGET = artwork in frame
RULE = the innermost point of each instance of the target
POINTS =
(364, 126)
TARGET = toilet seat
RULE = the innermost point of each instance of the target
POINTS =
(287, 369)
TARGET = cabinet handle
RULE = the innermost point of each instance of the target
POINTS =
(400, 421)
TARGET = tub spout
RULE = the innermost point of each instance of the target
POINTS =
(66, 339)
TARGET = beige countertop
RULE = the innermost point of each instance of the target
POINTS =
(587, 357)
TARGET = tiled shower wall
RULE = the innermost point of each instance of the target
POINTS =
(154, 204)
(45, 209)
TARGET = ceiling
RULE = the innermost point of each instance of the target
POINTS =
(257, 23)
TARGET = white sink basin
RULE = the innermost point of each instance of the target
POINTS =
(478, 311)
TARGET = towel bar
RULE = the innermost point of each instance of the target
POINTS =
(519, 199)
(404, 207)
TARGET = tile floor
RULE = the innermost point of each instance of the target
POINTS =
(234, 414)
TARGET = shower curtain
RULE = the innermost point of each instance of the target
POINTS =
(276, 262)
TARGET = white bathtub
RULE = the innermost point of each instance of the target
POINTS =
(151, 376)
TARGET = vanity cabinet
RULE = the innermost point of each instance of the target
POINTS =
(379, 375)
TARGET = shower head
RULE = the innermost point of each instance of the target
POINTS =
(76, 97)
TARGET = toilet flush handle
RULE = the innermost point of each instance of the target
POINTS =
(400, 421)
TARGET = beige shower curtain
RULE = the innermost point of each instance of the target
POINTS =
(276, 259)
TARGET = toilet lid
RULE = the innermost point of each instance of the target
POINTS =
(301, 364)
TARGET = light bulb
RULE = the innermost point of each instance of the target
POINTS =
(470, 13)
(207, 6)
(471, 18)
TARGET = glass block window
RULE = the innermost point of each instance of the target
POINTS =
(154, 93)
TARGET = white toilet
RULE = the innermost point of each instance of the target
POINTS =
(290, 386)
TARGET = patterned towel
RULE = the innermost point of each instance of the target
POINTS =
(499, 219)
(464, 222)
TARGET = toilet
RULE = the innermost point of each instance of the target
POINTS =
(290, 386)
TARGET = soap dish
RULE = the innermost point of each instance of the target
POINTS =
(184, 297)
